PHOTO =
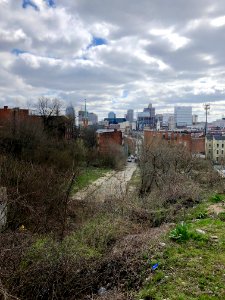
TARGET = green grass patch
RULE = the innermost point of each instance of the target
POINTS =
(135, 179)
(91, 241)
(193, 269)
(200, 211)
(98, 233)
(217, 198)
(221, 216)
(88, 176)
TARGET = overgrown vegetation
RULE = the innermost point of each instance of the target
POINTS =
(54, 248)
(88, 175)
(193, 269)
(217, 198)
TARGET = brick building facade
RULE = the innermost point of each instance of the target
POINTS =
(107, 139)
(58, 126)
(12, 115)
(192, 143)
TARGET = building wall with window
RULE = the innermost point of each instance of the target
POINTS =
(193, 144)
(108, 140)
(215, 148)
(183, 116)
(146, 118)
(12, 115)
(130, 115)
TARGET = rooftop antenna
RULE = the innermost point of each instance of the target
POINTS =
(206, 108)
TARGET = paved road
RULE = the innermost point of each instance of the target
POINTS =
(113, 184)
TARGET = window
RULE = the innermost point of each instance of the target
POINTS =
(217, 152)
(222, 145)
(216, 158)
(217, 145)
(221, 151)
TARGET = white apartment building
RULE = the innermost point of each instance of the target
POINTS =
(183, 116)
(215, 148)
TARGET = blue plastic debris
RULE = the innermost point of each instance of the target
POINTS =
(154, 267)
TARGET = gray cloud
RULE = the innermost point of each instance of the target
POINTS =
(164, 52)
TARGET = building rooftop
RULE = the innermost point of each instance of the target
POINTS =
(219, 138)
(104, 130)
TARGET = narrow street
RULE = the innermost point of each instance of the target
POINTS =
(112, 184)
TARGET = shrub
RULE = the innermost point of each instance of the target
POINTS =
(180, 233)
(36, 195)
(202, 215)
(216, 198)
(221, 216)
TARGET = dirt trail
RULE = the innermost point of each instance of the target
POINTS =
(113, 183)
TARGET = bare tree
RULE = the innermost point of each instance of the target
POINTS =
(161, 162)
(47, 108)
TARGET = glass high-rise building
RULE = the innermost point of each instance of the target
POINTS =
(111, 115)
(183, 116)
(130, 115)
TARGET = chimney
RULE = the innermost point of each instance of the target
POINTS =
(5, 107)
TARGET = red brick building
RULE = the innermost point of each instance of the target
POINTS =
(192, 143)
(58, 126)
(107, 139)
(11, 115)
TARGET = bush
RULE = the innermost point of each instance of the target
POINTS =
(202, 215)
(99, 233)
(221, 216)
(36, 195)
(180, 233)
(216, 198)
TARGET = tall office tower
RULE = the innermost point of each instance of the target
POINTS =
(70, 112)
(166, 118)
(130, 115)
(92, 118)
(183, 116)
(146, 118)
(111, 115)
(194, 119)
(81, 117)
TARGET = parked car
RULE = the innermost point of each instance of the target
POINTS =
(129, 159)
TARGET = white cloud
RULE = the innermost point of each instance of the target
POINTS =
(175, 40)
(156, 51)
(218, 22)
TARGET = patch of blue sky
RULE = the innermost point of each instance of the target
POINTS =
(125, 94)
(97, 41)
(51, 3)
(26, 3)
(31, 3)
(17, 51)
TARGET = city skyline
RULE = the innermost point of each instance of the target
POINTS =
(118, 55)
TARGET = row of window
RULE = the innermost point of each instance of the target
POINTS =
(218, 145)
(217, 151)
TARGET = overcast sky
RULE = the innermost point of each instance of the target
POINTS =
(117, 54)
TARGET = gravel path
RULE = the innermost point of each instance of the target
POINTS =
(112, 184)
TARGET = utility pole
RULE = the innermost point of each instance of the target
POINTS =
(85, 115)
(206, 108)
